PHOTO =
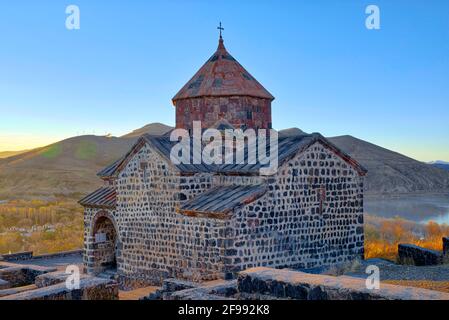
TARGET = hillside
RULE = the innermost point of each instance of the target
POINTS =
(391, 172)
(65, 168)
(440, 164)
(69, 167)
(156, 129)
(6, 154)
(290, 132)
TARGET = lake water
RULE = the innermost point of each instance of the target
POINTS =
(416, 208)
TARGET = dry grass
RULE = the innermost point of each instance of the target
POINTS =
(382, 236)
(43, 227)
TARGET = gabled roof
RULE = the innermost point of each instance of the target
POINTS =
(288, 147)
(220, 201)
(105, 197)
(109, 170)
(222, 76)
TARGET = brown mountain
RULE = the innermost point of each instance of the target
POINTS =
(66, 168)
(291, 132)
(391, 172)
(152, 128)
(69, 167)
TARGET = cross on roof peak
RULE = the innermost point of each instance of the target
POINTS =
(221, 29)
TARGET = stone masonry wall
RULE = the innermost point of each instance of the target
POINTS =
(222, 180)
(97, 254)
(237, 110)
(311, 216)
(157, 242)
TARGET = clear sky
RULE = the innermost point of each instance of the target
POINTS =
(328, 72)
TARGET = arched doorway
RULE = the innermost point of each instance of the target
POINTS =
(105, 243)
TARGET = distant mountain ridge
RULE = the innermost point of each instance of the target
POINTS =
(69, 167)
(66, 168)
(440, 164)
(156, 129)
(391, 172)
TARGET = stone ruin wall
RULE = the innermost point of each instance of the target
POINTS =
(290, 227)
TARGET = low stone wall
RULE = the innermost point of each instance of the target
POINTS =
(59, 254)
(4, 284)
(175, 289)
(52, 278)
(21, 275)
(446, 246)
(91, 288)
(130, 283)
(170, 286)
(418, 256)
(222, 290)
(10, 291)
(26, 255)
(267, 283)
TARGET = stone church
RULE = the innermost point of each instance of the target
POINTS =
(153, 219)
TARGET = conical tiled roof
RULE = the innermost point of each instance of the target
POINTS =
(222, 76)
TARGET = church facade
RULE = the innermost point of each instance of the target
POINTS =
(154, 219)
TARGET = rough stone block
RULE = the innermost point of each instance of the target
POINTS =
(446, 245)
(26, 255)
(22, 275)
(4, 284)
(52, 278)
(258, 283)
(222, 290)
(172, 285)
(418, 256)
(90, 289)
(169, 286)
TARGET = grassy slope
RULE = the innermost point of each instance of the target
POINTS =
(65, 168)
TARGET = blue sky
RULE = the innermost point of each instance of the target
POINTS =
(329, 73)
